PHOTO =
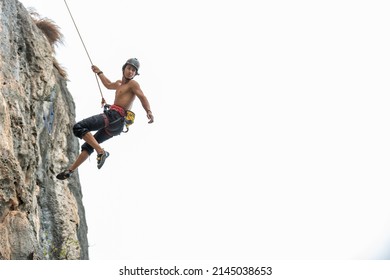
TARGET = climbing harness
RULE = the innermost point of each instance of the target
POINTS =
(128, 117)
(85, 48)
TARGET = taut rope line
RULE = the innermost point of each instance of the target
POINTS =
(85, 48)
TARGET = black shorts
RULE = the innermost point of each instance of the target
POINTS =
(108, 124)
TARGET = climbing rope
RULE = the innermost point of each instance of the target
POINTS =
(85, 48)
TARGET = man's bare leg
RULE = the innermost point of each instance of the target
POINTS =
(81, 158)
(102, 155)
(88, 137)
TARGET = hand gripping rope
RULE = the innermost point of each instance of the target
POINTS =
(85, 48)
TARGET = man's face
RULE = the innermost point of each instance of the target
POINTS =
(129, 71)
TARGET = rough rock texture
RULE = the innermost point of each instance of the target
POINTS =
(40, 216)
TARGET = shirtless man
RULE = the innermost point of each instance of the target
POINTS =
(111, 122)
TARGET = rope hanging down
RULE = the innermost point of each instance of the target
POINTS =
(85, 48)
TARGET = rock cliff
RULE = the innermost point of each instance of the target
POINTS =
(40, 216)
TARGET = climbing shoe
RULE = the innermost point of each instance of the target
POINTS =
(101, 158)
(64, 175)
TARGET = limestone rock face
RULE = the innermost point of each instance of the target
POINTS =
(40, 216)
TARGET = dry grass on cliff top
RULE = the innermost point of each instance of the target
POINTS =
(53, 34)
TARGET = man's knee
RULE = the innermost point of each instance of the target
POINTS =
(79, 131)
(86, 147)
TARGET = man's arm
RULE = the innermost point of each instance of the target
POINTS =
(144, 101)
(106, 82)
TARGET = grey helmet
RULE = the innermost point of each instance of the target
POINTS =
(133, 62)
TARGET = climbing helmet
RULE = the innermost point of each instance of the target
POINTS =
(133, 62)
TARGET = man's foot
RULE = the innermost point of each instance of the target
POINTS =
(101, 158)
(64, 175)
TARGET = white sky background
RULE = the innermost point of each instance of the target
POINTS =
(271, 137)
